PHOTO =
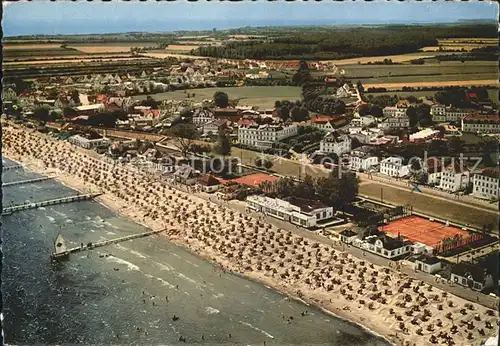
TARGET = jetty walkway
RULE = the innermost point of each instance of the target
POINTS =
(90, 246)
(26, 206)
(29, 181)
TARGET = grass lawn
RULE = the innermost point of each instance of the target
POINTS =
(263, 97)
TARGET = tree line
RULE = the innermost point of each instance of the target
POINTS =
(345, 43)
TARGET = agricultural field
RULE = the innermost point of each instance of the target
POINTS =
(30, 46)
(180, 47)
(163, 54)
(467, 44)
(458, 82)
(263, 97)
(492, 93)
(395, 58)
(118, 47)
(71, 61)
(444, 72)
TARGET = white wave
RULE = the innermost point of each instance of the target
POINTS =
(258, 329)
(68, 221)
(164, 266)
(130, 266)
(210, 310)
(87, 218)
(217, 295)
(51, 219)
(110, 233)
(138, 254)
(193, 264)
(42, 208)
(92, 230)
(164, 282)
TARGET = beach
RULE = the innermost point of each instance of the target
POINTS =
(390, 304)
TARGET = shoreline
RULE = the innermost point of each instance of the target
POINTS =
(113, 207)
(377, 299)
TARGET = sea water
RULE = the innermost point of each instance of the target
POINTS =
(118, 294)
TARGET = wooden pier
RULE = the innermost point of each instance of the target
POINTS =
(26, 206)
(29, 181)
(9, 168)
(91, 246)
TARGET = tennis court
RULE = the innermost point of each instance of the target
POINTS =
(422, 230)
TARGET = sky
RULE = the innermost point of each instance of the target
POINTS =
(67, 17)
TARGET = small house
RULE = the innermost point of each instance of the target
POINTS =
(471, 275)
(427, 264)
(348, 236)
(208, 183)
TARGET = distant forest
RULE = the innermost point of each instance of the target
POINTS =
(341, 43)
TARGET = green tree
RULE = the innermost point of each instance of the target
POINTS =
(42, 114)
(455, 144)
(376, 111)
(221, 99)
(184, 135)
(305, 188)
(263, 163)
(339, 189)
(223, 145)
(411, 112)
(339, 107)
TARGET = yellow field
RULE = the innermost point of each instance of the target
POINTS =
(398, 86)
(31, 46)
(110, 47)
(484, 39)
(178, 47)
(66, 61)
(193, 37)
(163, 55)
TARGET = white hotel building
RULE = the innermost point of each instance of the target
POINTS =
(334, 142)
(486, 184)
(481, 124)
(299, 211)
(264, 136)
(88, 143)
(393, 167)
(454, 178)
(441, 113)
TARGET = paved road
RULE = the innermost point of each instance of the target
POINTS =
(436, 206)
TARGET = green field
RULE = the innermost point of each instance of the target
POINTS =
(445, 71)
(493, 94)
(417, 94)
(263, 97)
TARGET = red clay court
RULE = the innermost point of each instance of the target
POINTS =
(422, 230)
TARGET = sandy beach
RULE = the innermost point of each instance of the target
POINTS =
(388, 303)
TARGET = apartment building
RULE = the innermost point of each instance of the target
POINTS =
(264, 136)
(454, 178)
(362, 160)
(441, 113)
(400, 121)
(334, 142)
(394, 112)
(481, 124)
(486, 184)
(393, 167)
